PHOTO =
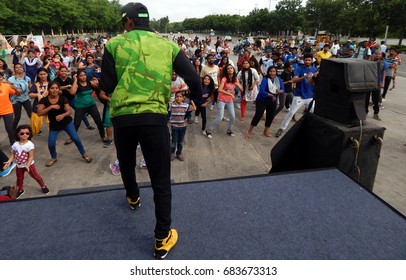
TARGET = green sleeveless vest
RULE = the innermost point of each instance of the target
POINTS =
(143, 64)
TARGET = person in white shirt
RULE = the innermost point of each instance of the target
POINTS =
(263, 62)
(335, 48)
(383, 47)
(211, 69)
(66, 58)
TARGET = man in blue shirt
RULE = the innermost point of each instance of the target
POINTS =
(304, 78)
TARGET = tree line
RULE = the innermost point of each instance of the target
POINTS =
(345, 17)
(36, 16)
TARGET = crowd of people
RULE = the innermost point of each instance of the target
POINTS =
(75, 67)
(142, 93)
(49, 83)
(270, 74)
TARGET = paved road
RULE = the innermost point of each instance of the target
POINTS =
(221, 157)
(402, 66)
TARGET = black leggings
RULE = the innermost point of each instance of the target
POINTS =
(200, 109)
(260, 107)
(92, 111)
(8, 124)
(17, 111)
(388, 79)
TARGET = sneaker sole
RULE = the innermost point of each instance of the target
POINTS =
(115, 174)
(9, 171)
(18, 197)
(161, 257)
(135, 207)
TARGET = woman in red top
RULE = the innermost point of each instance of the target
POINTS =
(226, 95)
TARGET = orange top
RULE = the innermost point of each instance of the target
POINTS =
(5, 104)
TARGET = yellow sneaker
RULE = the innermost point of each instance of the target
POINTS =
(163, 246)
(134, 203)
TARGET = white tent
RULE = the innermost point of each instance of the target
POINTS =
(4, 44)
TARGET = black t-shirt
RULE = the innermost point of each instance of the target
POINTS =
(279, 70)
(53, 123)
(61, 83)
(287, 77)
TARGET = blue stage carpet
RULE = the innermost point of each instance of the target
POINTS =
(310, 215)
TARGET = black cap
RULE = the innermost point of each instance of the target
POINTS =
(135, 11)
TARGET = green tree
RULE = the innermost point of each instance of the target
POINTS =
(26, 16)
(353, 17)
(289, 15)
(320, 14)
(259, 20)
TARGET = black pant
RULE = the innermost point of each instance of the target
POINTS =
(200, 109)
(388, 79)
(92, 111)
(8, 124)
(375, 101)
(288, 100)
(155, 146)
(285, 99)
(260, 107)
(17, 111)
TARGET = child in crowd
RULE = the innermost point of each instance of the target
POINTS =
(177, 84)
(178, 111)
(22, 151)
(395, 72)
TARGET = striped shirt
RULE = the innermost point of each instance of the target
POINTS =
(391, 61)
(178, 113)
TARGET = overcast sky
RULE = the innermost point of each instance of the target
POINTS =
(178, 10)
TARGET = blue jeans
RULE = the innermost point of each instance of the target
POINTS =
(70, 130)
(220, 114)
(85, 120)
(178, 134)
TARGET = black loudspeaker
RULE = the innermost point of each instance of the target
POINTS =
(317, 142)
(342, 84)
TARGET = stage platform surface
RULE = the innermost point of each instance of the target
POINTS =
(312, 215)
